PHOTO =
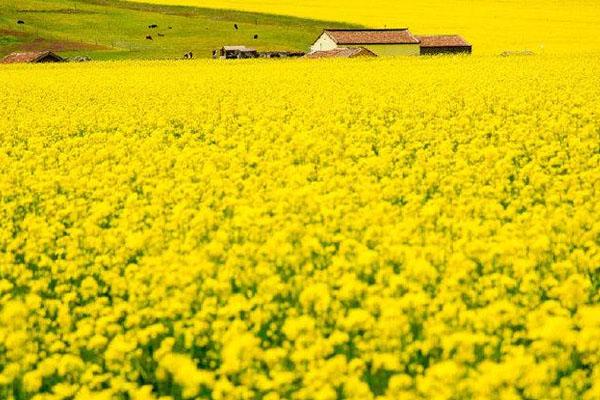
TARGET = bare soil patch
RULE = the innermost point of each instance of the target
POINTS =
(56, 11)
(28, 42)
(39, 44)
(10, 32)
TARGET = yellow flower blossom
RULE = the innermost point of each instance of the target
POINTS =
(368, 229)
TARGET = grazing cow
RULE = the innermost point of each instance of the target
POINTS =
(188, 56)
(255, 37)
(161, 34)
(20, 22)
(152, 26)
(235, 26)
(170, 27)
(148, 37)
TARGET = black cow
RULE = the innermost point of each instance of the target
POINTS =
(20, 22)
(170, 27)
(235, 26)
(161, 34)
(148, 37)
(255, 37)
(153, 26)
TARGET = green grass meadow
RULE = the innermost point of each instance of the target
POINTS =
(116, 29)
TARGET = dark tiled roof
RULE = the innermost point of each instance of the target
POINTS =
(238, 48)
(442, 41)
(371, 36)
(29, 57)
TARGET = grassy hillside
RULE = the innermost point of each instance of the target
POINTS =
(114, 29)
(544, 26)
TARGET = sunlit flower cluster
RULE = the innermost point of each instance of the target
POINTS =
(356, 229)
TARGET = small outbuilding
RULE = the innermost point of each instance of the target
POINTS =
(281, 54)
(443, 44)
(79, 59)
(237, 52)
(342, 52)
(382, 42)
(34, 57)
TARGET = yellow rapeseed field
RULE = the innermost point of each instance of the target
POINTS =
(492, 26)
(358, 229)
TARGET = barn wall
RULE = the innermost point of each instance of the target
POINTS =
(394, 49)
(323, 43)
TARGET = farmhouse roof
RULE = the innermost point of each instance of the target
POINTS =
(238, 48)
(342, 52)
(30, 57)
(371, 36)
(442, 41)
